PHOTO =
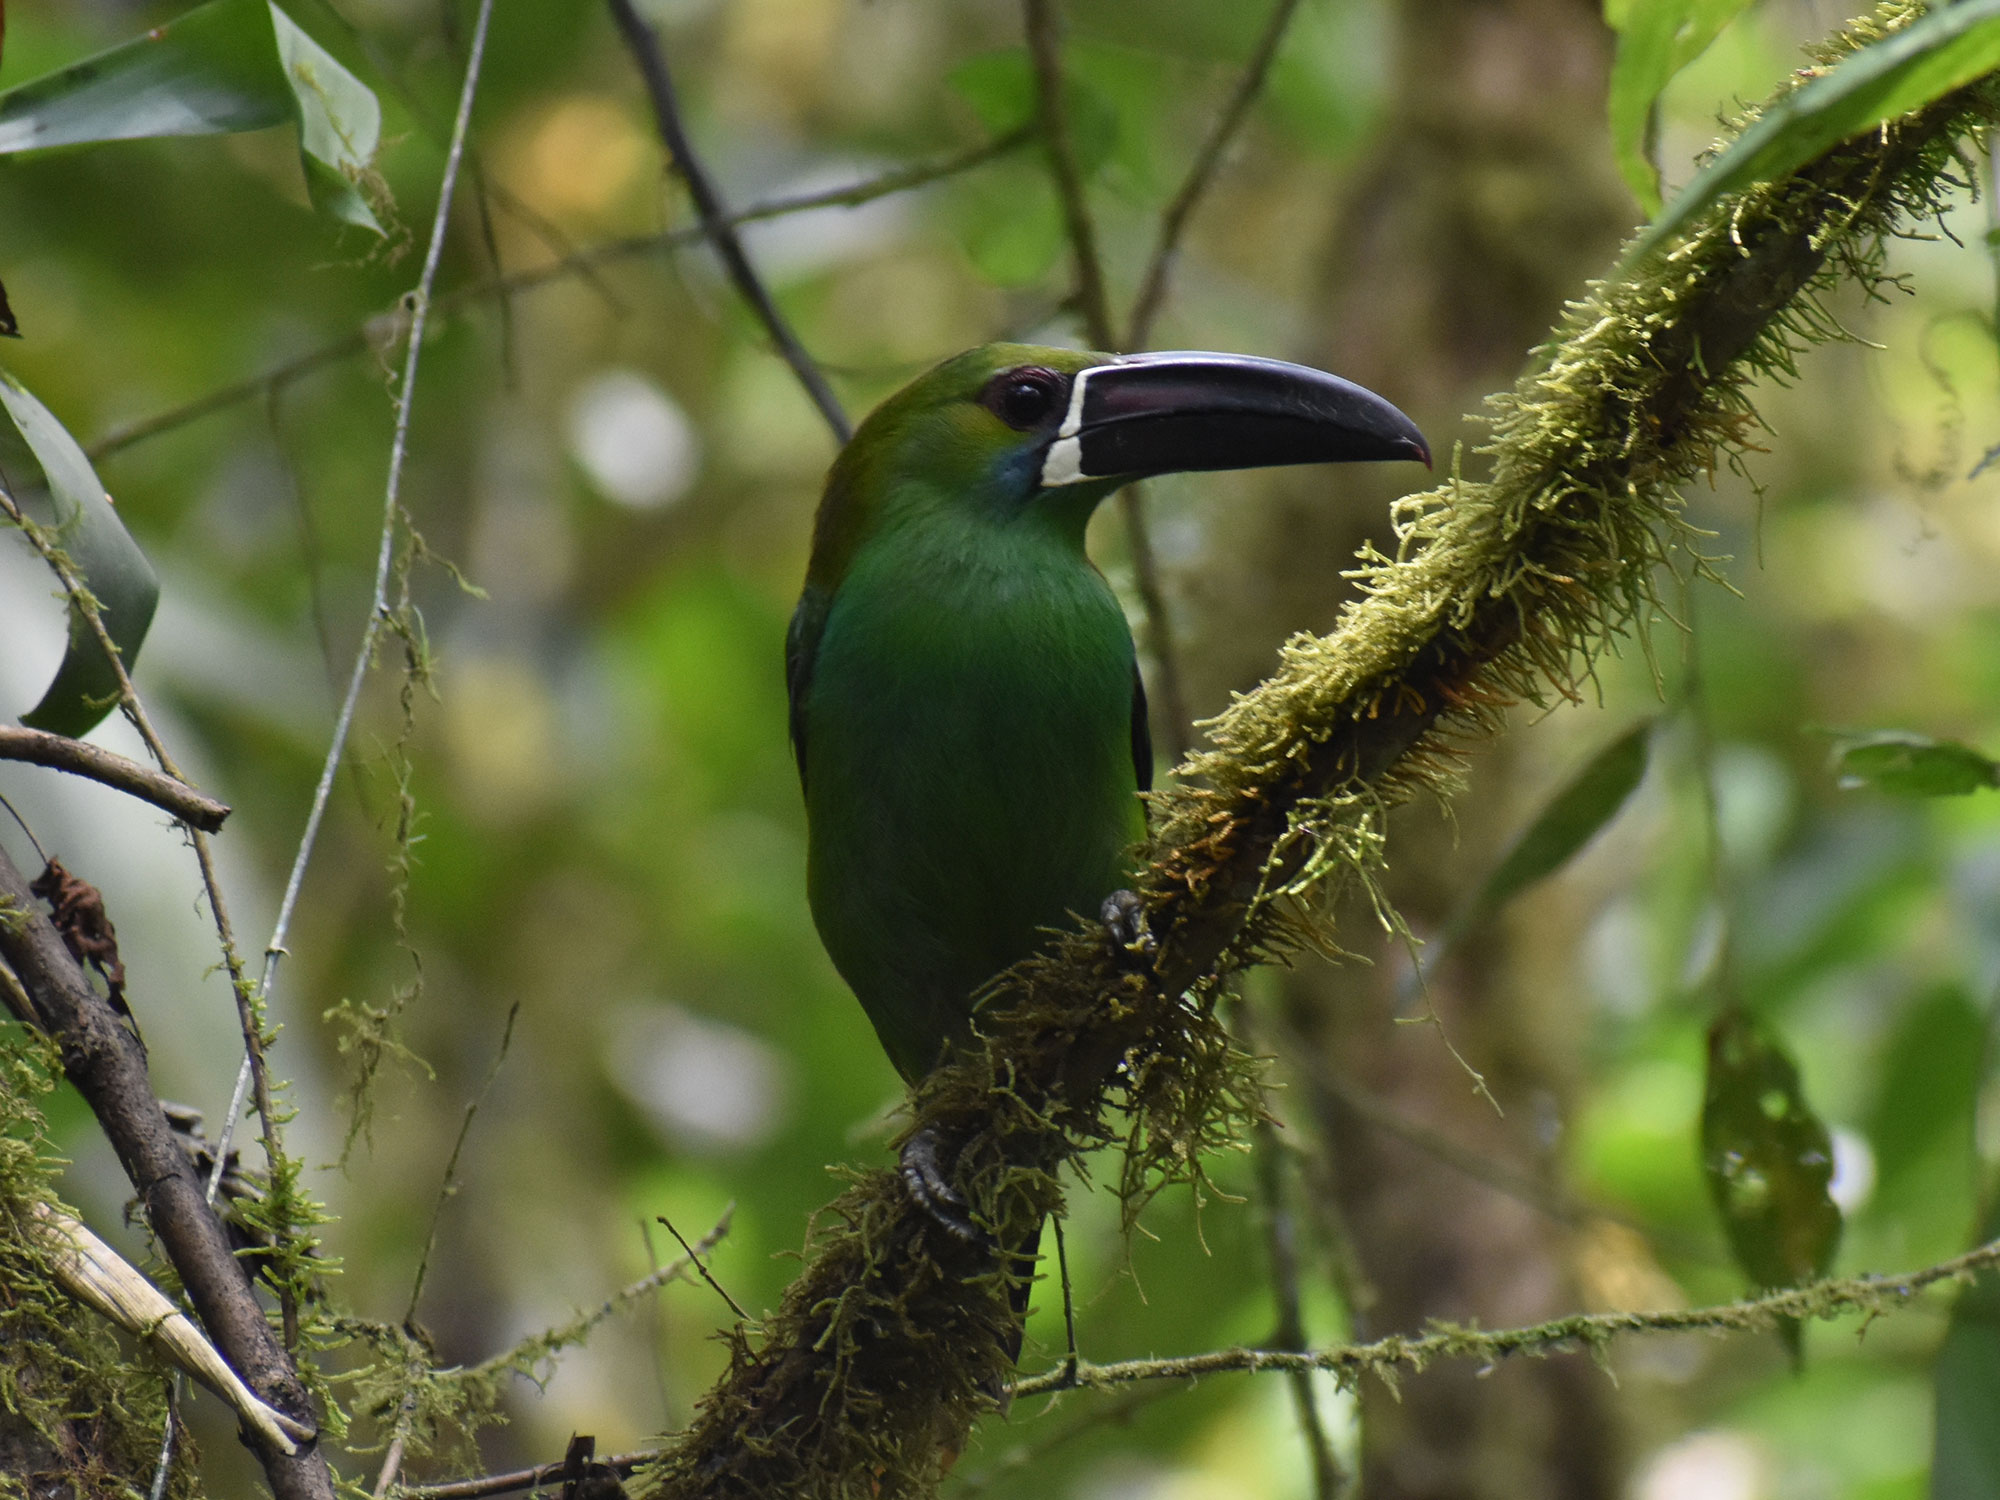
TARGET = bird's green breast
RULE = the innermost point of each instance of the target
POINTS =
(968, 766)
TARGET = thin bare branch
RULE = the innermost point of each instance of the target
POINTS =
(249, 1020)
(94, 763)
(1044, 27)
(448, 1185)
(1173, 218)
(1281, 1246)
(1594, 1331)
(695, 1256)
(582, 262)
(419, 307)
(621, 1464)
(536, 1345)
(645, 46)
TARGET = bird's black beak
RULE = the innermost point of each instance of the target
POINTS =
(1175, 413)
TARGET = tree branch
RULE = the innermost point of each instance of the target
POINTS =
(1044, 28)
(249, 1020)
(95, 763)
(108, 1066)
(1873, 1295)
(885, 1348)
(1173, 219)
(721, 234)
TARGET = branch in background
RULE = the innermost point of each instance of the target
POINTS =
(378, 611)
(1328, 1090)
(584, 262)
(1173, 219)
(525, 1358)
(1873, 1295)
(248, 1016)
(95, 763)
(1044, 28)
(108, 1066)
(623, 1465)
(645, 46)
(1281, 1245)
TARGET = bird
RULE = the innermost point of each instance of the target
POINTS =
(967, 712)
(966, 708)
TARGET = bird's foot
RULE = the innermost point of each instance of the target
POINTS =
(1124, 917)
(935, 1195)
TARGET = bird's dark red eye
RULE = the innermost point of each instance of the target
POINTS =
(1024, 397)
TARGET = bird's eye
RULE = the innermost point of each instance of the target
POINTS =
(1023, 397)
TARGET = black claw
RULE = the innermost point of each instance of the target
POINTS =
(1124, 917)
(933, 1191)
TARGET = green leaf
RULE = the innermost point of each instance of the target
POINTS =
(1912, 765)
(227, 66)
(1965, 1456)
(1656, 39)
(53, 483)
(1767, 1158)
(339, 120)
(1948, 48)
(1572, 818)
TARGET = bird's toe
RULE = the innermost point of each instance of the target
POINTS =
(1124, 917)
(924, 1177)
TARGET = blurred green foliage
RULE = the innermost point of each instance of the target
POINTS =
(608, 829)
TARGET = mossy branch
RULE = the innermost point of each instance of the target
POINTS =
(888, 1345)
(1386, 1358)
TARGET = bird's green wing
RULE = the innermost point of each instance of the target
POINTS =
(1142, 731)
(801, 651)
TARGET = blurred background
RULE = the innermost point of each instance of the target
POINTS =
(602, 825)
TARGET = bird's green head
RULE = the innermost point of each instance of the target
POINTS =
(1012, 434)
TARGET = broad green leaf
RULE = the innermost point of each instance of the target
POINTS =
(1572, 818)
(230, 65)
(52, 481)
(1767, 1157)
(1656, 39)
(1948, 48)
(1965, 1453)
(1912, 765)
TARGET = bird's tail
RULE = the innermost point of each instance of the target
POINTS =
(1020, 1263)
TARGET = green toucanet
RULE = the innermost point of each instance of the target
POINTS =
(966, 707)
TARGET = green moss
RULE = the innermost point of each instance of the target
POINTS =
(892, 1340)
(75, 1411)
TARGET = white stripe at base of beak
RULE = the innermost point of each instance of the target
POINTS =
(1064, 463)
